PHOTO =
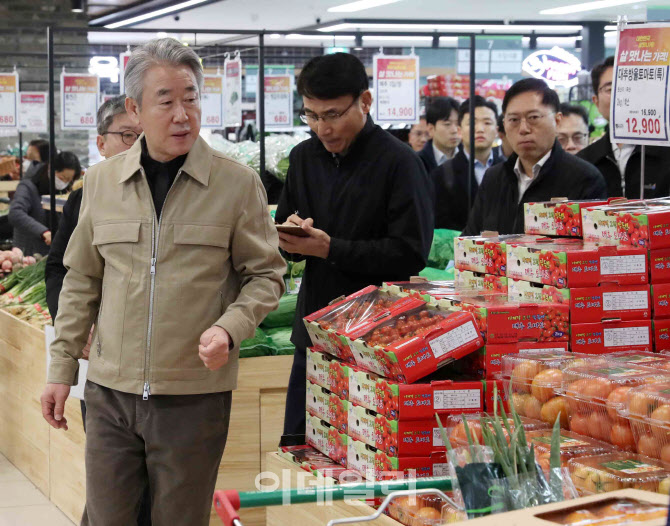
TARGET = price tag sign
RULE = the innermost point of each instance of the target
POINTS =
(123, 62)
(212, 102)
(9, 107)
(396, 85)
(80, 96)
(278, 101)
(639, 111)
(33, 111)
(233, 95)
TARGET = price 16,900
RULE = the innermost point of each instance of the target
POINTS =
(644, 125)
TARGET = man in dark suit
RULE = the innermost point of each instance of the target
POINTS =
(451, 178)
(442, 119)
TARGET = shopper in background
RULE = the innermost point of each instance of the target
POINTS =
(26, 214)
(538, 170)
(116, 133)
(442, 119)
(451, 178)
(573, 130)
(361, 196)
(176, 254)
(620, 163)
(418, 135)
(505, 146)
(36, 154)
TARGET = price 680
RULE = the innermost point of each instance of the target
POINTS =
(6, 119)
(87, 119)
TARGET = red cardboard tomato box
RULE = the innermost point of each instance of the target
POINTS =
(504, 321)
(571, 263)
(322, 436)
(328, 406)
(595, 304)
(659, 265)
(491, 388)
(660, 297)
(527, 292)
(468, 280)
(494, 353)
(418, 401)
(611, 336)
(414, 343)
(662, 335)
(556, 218)
(486, 253)
(328, 372)
(374, 464)
(328, 326)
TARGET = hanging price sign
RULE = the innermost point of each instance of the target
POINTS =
(80, 96)
(639, 110)
(396, 85)
(233, 95)
(9, 107)
(278, 101)
(123, 62)
(33, 111)
(212, 102)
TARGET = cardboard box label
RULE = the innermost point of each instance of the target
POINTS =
(454, 339)
(628, 336)
(457, 398)
(441, 469)
(634, 264)
(631, 300)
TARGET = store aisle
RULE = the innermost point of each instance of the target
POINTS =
(22, 504)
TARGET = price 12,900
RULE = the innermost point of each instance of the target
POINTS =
(644, 125)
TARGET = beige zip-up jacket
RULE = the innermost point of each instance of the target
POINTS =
(156, 284)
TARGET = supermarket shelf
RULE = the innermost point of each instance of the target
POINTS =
(8, 186)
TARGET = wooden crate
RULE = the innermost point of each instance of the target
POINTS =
(54, 460)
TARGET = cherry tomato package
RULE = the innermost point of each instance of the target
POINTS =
(495, 353)
(662, 335)
(660, 296)
(556, 218)
(326, 438)
(611, 511)
(486, 253)
(414, 343)
(596, 395)
(328, 406)
(328, 326)
(428, 291)
(647, 408)
(595, 304)
(659, 265)
(503, 321)
(468, 280)
(419, 401)
(327, 371)
(647, 359)
(618, 470)
(573, 263)
(611, 336)
(397, 438)
(377, 465)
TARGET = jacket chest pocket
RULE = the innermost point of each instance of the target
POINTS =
(202, 247)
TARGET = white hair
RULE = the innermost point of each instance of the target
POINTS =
(160, 51)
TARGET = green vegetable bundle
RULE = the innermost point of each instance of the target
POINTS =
(258, 345)
(281, 340)
(283, 315)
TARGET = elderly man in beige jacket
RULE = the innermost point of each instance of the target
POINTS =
(176, 255)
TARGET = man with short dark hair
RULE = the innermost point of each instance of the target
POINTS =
(504, 142)
(418, 135)
(538, 170)
(451, 178)
(573, 131)
(620, 163)
(442, 119)
(361, 196)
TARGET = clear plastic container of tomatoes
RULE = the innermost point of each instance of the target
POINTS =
(619, 470)
(424, 510)
(534, 381)
(596, 394)
(607, 512)
(646, 359)
(455, 427)
(647, 408)
(426, 289)
(572, 446)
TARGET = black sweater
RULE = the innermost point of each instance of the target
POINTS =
(497, 205)
(375, 203)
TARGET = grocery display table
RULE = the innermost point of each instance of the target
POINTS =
(8, 186)
(54, 460)
(318, 514)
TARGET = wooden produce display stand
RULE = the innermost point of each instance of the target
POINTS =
(8, 186)
(54, 460)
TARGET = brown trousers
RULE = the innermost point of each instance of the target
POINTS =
(172, 444)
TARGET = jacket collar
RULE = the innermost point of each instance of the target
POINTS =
(557, 154)
(358, 143)
(198, 162)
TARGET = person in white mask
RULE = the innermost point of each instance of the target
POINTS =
(26, 215)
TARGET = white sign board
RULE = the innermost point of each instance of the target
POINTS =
(9, 106)
(278, 101)
(396, 88)
(33, 111)
(232, 113)
(211, 102)
(80, 96)
(123, 62)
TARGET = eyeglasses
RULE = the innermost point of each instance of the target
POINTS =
(330, 116)
(128, 137)
(577, 138)
(606, 88)
(532, 119)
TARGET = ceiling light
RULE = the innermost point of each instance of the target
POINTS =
(77, 6)
(474, 28)
(161, 34)
(297, 36)
(587, 6)
(359, 6)
(610, 28)
(154, 14)
(610, 33)
(398, 38)
(275, 35)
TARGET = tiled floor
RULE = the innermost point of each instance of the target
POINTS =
(22, 504)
